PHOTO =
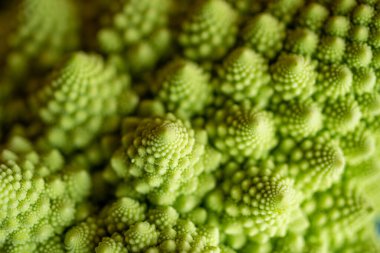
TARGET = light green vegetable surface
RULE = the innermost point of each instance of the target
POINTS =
(198, 126)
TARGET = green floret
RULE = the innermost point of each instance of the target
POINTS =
(53, 245)
(161, 231)
(45, 32)
(369, 104)
(358, 145)
(364, 172)
(29, 210)
(372, 124)
(204, 184)
(110, 41)
(24, 248)
(374, 38)
(162, 157)
(242, 74)
(209, 31)
(359, 34)
(337, 26)
(83, 237)
(298, 119)
(364, 80)
(336, 215)
(134, 27)
(240, 132)
(77, 182)
(62, 215)
(375, 63)
(332, 82)
(163, 217)
(189, 238)
(293, 76)
(365, 240)
(315, 163)
(183, 87)
(37, 35)
(144, 55)
(292, 242)
(301, 41)
(254, 202)
(122, 213)
(341, 114)
(358, 55)
(342, 7)
(140, 236)
(362, 14)
(371, 191)
(312, 16)
(265, 34)
(136, 33)
(284, 9)
(22, 195)
(84, 98)
(111, 245)
(331, 49)
(247, 6)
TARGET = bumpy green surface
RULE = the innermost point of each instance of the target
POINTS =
(209, 30)
(162, 156)
(39, 196)
(207, 126)
(44, 32)
(183, 88)
(85, 97)
(241, 132)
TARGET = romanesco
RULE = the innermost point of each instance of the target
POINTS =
(206, 126)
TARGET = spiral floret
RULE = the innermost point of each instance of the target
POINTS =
(160, 155)
(183, 87)
(315, 163)
(298, 119)
(242, 74)
(265, 34)
(256, 202)
(293, 76)
(209, 31)
(342, 114)
(82, 97)
(241, 132)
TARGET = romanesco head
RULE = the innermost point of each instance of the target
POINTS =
(213, 126)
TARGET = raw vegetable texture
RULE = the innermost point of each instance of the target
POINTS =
(206, 126)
